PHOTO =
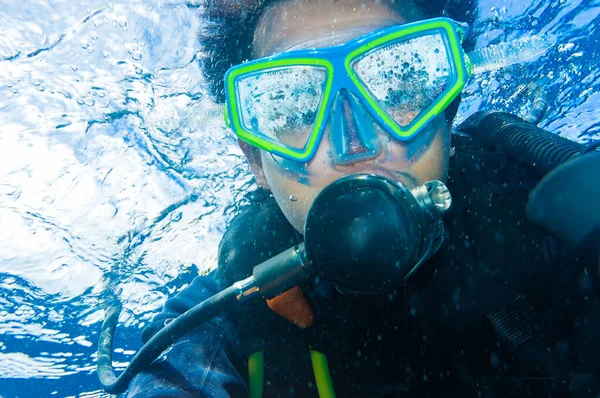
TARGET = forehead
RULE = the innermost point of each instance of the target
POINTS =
(291, 23)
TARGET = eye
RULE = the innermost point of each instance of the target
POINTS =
(296, 129)
(406, 77)
(283, 114)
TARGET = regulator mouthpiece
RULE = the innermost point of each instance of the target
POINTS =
(368, 234)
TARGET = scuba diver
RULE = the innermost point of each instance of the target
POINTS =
(397, 259)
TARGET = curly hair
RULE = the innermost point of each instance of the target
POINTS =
(229, 25)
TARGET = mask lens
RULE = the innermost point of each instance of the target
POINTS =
(406, 77)
(281, 104)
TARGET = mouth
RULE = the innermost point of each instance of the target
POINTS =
(399, 176)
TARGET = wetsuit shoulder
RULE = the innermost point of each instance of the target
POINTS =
(259, 232)
(212, 347)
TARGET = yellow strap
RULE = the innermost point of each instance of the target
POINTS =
(322, 375)
(256, 374)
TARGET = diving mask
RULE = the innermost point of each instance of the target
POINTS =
(401, 76)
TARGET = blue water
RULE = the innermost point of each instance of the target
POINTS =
(113, 187)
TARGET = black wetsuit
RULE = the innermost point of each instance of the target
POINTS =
(501, 310)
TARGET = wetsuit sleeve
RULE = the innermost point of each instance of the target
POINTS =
(203, 363)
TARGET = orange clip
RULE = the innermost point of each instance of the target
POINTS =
(292, 305)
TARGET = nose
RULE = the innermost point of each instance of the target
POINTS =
(352, 131)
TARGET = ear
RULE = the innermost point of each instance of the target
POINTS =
(255, 162)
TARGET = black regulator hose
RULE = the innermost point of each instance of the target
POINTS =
(183, 324)
(521, 140)
(565, 201)
(269, 279)
(364, 233)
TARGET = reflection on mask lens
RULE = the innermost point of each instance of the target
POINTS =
(406, 77)
(281, 104)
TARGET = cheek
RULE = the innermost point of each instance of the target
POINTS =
(433, 164)
(293, 196)
(425, 157)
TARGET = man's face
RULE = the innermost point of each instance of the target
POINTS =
(299, 24)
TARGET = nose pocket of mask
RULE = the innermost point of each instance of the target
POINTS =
(352, 131)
